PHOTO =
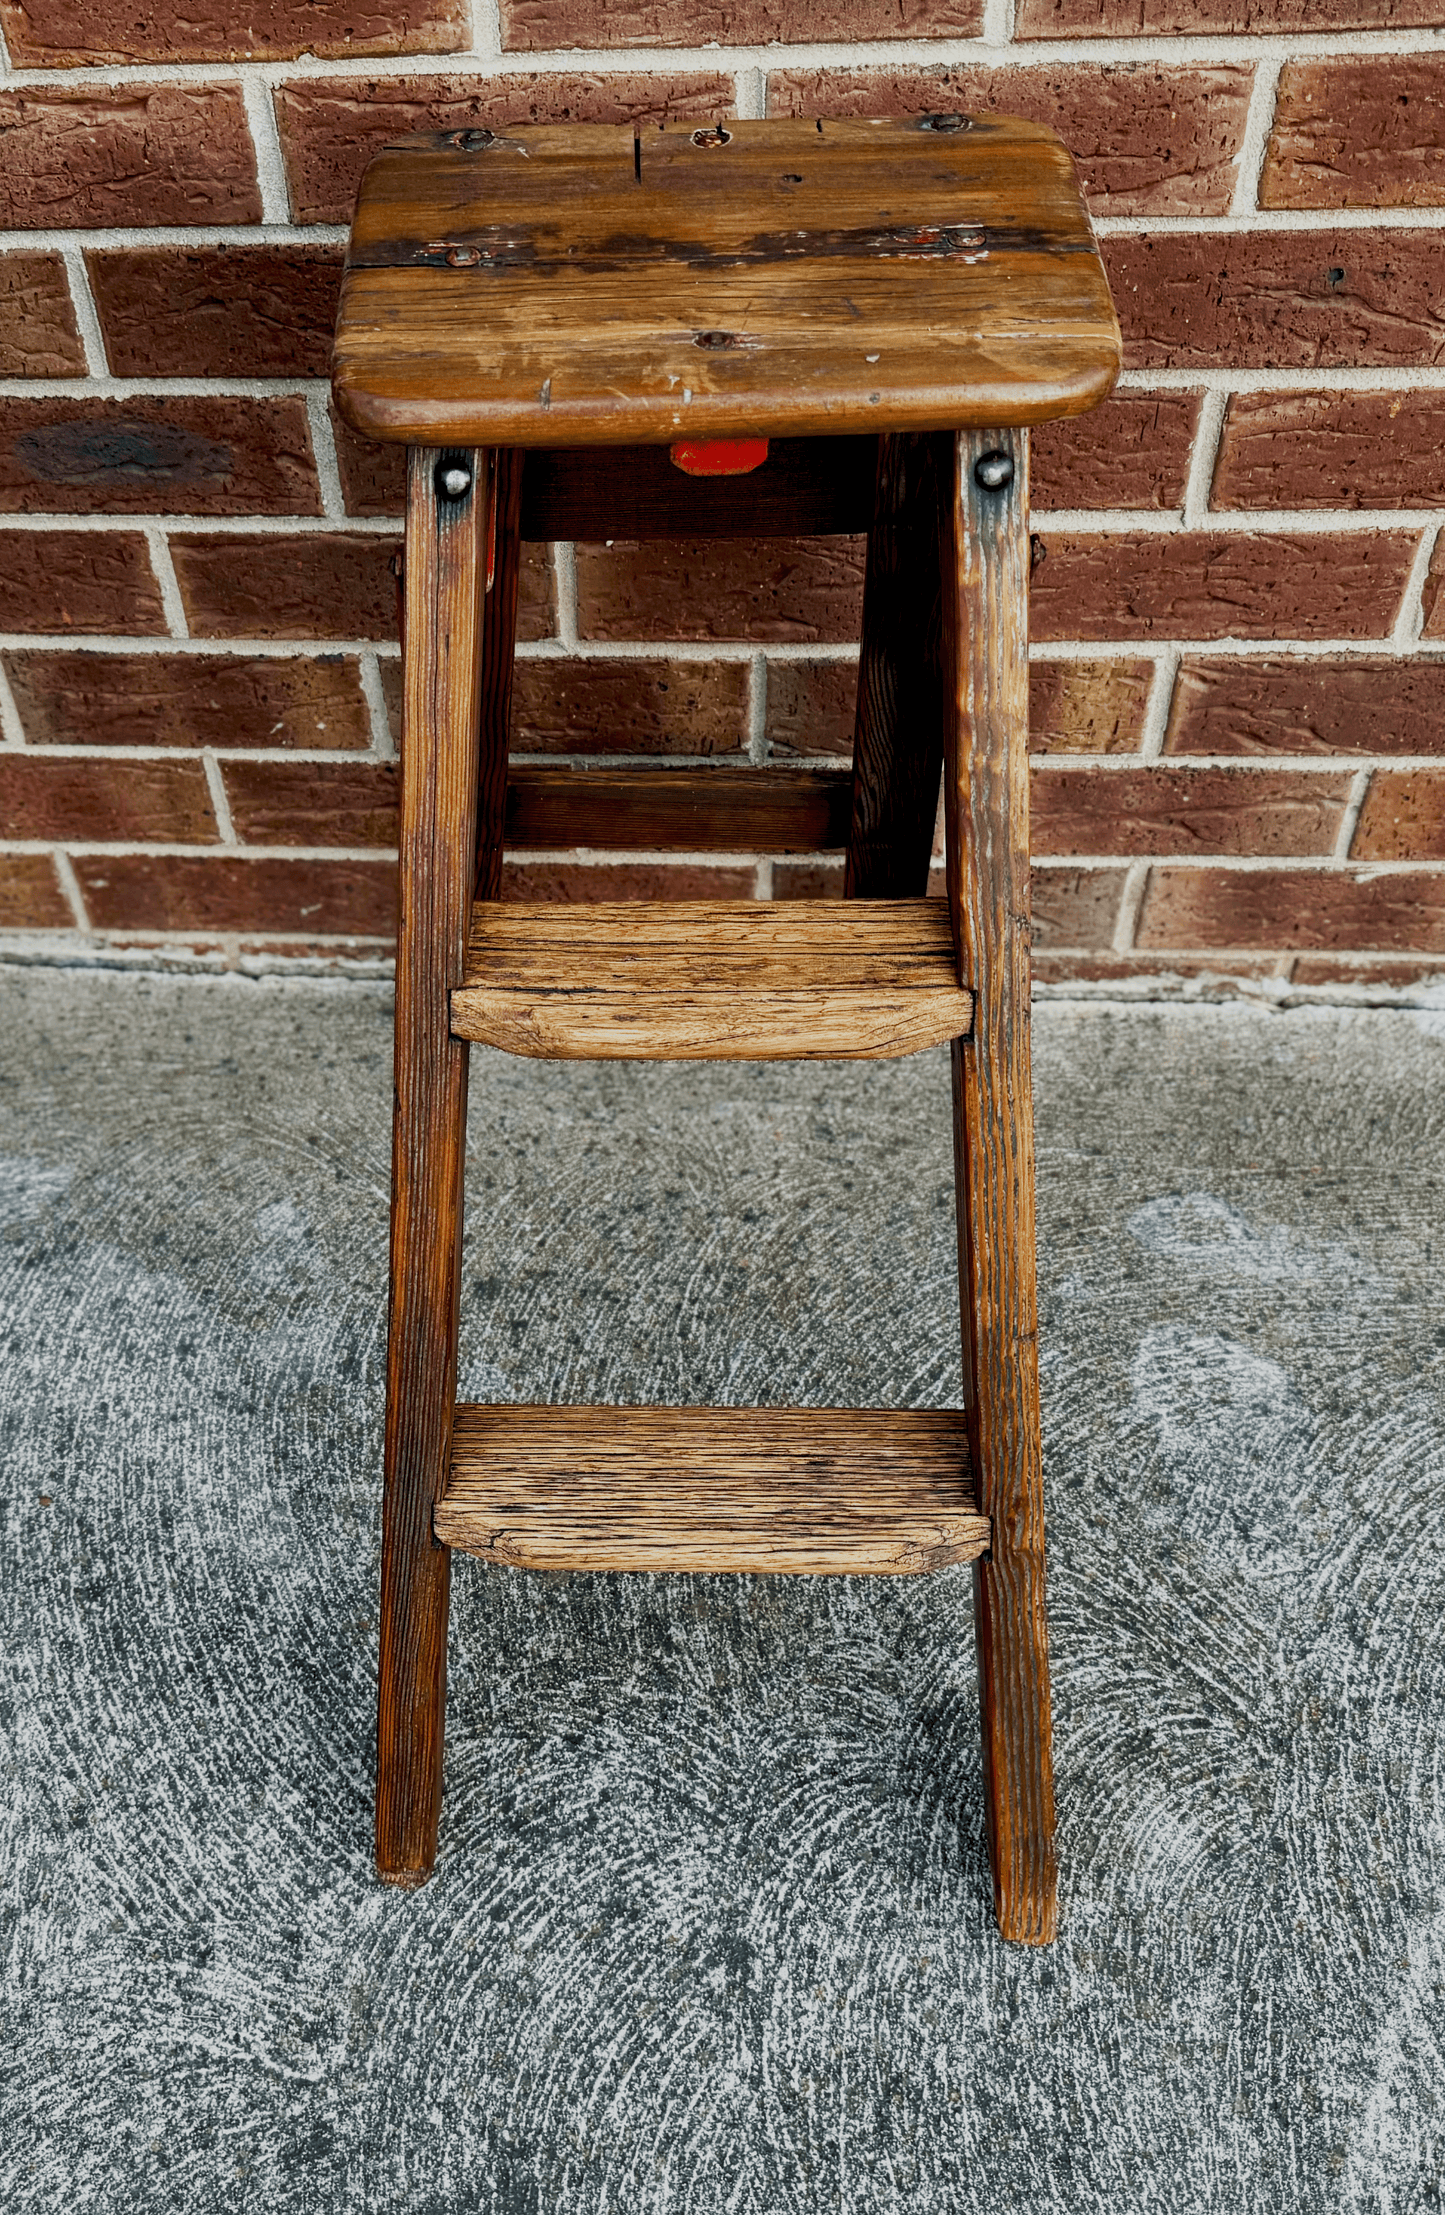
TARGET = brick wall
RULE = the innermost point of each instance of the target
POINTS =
(1239, 660)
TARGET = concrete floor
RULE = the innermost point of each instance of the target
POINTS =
(711, 1928)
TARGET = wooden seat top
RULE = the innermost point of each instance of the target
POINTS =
(599, 285)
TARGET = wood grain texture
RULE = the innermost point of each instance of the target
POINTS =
(898, 729)
(499, 655)
(822, 485)
(802, 1491)
(987, 797)
(582, 285)
(725, 980)
(445, 578)
(716, 811)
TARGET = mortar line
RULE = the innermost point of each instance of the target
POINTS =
(763, 879)
(12, 730)
(70, 886)
(564, 570)
(323, 448)
(1254, 140)
(1322, 865)
(1349, 820)
(485, 18)
(750, 93)
(1156, 710)
(167, 582)
(271, 176)
(383, 746)
(1131, 900)
(220, 800)
(1410, 620)
(1204, 454)
(1196, 49)
(87, 317)
(758, 708)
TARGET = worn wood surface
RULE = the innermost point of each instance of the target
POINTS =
(899, 725)
(822, 485)
(716, 811)
(445, 578)
(810, 1491)
(499, 653)
(987, 796)
(725, 980)
(574, 285)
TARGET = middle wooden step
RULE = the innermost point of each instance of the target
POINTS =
(711, 980)
(800, 1491)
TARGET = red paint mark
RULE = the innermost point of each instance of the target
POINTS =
(719, 457)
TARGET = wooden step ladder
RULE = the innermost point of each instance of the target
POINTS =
(870, 315)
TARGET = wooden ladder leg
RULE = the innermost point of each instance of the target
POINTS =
(986, 552)
(446, 554)
(899, 726)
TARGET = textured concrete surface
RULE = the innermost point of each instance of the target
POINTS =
(710, 1931)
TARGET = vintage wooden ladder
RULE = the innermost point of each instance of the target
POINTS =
(889, 306)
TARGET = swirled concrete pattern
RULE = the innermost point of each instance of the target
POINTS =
(710, 1931)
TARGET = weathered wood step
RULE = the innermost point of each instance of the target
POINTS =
(714, 980)
(804, 1491)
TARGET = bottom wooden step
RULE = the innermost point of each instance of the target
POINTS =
(803, 1491)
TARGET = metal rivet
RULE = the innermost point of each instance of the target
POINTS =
(454, 480)
(715, 137)
(944, 122)
(991, 472)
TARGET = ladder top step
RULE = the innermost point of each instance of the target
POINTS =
(804, 1491)
(595, 285)
(711, 980)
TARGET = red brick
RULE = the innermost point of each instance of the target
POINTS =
(78, 581)
(373, 476)
(225, 892)
(312, 803)
(104, 799)
(1432, 601)
(1186, 811)
(1178, 18)
(1334, 705)
(1126, 968)
(1133, 452)
(1075, 707)
(810, 706)
(1288, 909)
(217, 311)
(1279, 299)
(1403, 818)
(38, 337)
(1318, 969)
(76, 34)
(1148, 140)
(1332, 450)
(331, 127)
(75, 699)
(777, 589)
(30, 895)
(1075, 907)
(157, 457)
(1088, 707)
(1360, 133)
(531, 24)
(630, 707)
(1220, 584)
(624, 880)
(76, 158)
(322, 585)
(809, 880)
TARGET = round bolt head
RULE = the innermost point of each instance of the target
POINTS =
(991, 472)
(456, 481)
